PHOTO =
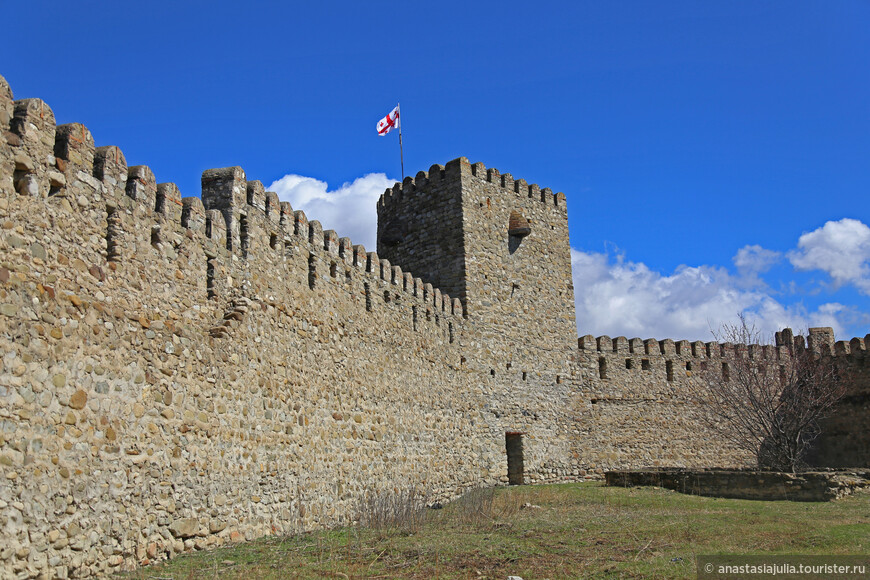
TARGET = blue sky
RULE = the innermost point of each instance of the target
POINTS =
(714, 154)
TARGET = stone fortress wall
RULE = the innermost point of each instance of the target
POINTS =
(180, 372)
(634, 394)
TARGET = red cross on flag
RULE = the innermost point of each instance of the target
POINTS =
(388, 123)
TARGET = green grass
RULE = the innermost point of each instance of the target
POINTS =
(579, 531)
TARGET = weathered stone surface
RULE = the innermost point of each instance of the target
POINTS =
(184, 527)
(747, 484)
(213, 374)
(78, 400)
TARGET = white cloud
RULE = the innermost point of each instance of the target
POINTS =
(754, 259)
(350, 210)
(841, 248)
(617, 297)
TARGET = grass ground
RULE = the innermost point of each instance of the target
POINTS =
(571, 531)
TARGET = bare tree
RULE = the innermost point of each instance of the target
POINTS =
(769, 402)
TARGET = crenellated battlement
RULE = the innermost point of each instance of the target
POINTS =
(461, 167)
(785, 342)
(682, 348)
(233, 216)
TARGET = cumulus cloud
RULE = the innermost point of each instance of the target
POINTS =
(753, 260)
(841, 249)
(350, 210)
(618, 297)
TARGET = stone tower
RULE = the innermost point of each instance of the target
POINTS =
(501, 246)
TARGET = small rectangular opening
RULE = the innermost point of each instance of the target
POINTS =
(524, 375)
(669, 368)
(645, 364)
(629, 364)
(333, 269)
(273, 241)
(514, 448)
(450, 331)
(209, 278)
(312, 273)
(368, 291)
(243, 234)
(726, 372)
(602, 368)
(113, 229)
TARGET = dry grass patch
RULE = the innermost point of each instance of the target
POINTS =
(556, 531)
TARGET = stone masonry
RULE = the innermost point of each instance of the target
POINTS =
(182, 372)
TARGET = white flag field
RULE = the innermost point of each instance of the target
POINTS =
(388, 123)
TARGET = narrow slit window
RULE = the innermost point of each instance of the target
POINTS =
(209, 279)
(243, 234)
(602, 368)
(669, 369)
(645, 364)
(312, 273)
(629, 364)
(113, 229)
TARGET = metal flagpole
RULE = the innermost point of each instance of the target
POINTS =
(401, 153)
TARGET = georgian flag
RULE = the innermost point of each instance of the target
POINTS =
(388, 123)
